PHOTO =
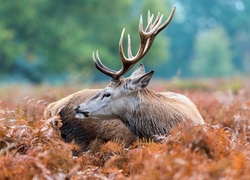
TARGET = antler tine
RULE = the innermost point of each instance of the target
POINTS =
(153, 27)
(170, 17)
(130, 55)
(149, 26)
(158, 20)
(156, 24)
(150, 35)
(101, 67)
(122, 55)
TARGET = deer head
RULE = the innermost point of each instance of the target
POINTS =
(117, 94)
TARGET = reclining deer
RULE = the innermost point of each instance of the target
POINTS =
(91, 131)
(145, 112)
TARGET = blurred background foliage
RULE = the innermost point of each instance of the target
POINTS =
(52, 41)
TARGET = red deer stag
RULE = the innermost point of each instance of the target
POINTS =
(145, 112)
(90, 132)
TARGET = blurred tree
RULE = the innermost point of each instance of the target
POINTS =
(43, 38)
(196, 16)
(212, 56)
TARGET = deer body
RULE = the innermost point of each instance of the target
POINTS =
(145, 112)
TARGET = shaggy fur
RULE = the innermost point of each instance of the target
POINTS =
(163, 112)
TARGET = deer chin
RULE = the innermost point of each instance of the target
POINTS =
(81, 116)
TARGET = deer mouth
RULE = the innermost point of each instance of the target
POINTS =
(80, 114)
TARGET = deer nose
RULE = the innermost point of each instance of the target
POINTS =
(76, 109)
(80, 111)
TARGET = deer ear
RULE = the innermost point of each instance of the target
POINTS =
(141, 81)
(138, 71)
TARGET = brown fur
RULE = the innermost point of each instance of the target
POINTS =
(146, 112)
(88, 134)
(157, 113)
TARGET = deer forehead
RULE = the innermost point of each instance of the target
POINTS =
(119, 85)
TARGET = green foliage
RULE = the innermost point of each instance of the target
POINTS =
(43, 39)
(58, 37)
(212, 54)
(193, 17)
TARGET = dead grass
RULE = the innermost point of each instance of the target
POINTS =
(31, 147)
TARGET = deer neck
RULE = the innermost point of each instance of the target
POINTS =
(148, 115)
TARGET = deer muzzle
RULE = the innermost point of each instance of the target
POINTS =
(81, 113)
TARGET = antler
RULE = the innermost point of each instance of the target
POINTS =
(147, 37)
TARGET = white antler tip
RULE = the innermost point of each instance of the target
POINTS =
(140, 24)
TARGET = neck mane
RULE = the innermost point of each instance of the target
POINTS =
(152, 114)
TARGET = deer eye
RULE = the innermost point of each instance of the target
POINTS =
(106, 95)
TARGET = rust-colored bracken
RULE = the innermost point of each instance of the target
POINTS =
(32, 148)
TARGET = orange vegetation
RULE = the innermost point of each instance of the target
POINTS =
(31, 147)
